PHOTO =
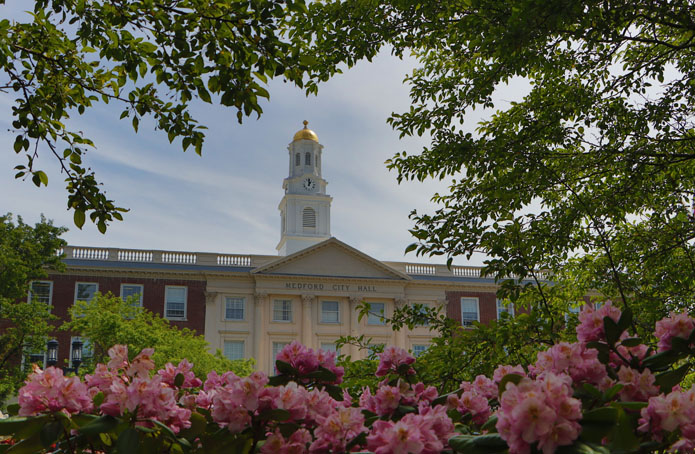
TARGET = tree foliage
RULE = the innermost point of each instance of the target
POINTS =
(107, 320)
(151, 58)
(588, 167)
(25, 253)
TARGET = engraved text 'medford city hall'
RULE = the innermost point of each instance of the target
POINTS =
(334, 287)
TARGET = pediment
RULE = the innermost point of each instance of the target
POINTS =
(331, 258)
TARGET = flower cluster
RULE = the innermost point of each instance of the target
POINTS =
(541, 410)
(424, 433)
(677, 325)
(575, 360)
(395, 359)
(474, 399)
(305, 360)
(388, 398)
(49, 391)
(671, 412)
(128, 388)
(590, 328)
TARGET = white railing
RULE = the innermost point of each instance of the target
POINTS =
(88, 253)
(234, 260)
(187, 258)
(466, 271)
(412, 268)
(131, 255)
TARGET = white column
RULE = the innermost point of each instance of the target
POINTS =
(212, 334)
(260, 351)
(400, 338)
(307, 335)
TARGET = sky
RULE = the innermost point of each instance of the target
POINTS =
(227, 199)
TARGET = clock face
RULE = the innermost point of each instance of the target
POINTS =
(309, 184)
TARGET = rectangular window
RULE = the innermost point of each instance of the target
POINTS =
(469, 311)
(233, 308)
(132, 290)
(282, 311)
(376, 312)
(501, 308)
(277, 347)
(175, 302)
(419, 349)
(84, 291)
(330, 312)
(41, 291)
(329, 347)
(234, 349)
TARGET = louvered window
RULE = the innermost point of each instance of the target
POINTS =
(309, 218)
(307, 159)
(297, 159)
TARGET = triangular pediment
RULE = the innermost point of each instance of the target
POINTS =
(331, 258)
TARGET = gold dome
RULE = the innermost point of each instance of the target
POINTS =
(306, 133)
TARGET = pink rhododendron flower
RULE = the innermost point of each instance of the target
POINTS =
(290, 397)
(392, 358)
(675, 410)
(337, 429)
(590, 326)
(295, 444)
(413, 434)
(472, 402)
(184, 368)
(637, 386)
(482, 386)
(305, 360)
(119, 357)
(676, 325)
(49, 391)
(142, 364)
(542, 411)
(501, 371)
(319, 405)
(578, 362)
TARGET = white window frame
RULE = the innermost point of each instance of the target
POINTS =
(332, 343)
(50, 290)
(419, 345)
(374, 319)
(230, 299)
(469, 323)
(142, 291)
(77, 286)
(185, 301)
(236, 341)
(282, 320)
(501, 307)
(337, 313)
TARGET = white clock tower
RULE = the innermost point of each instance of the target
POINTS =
(305, 210)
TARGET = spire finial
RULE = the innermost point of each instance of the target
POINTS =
(306, 124)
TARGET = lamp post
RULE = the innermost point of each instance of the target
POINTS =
(52, 353)
(76, 355)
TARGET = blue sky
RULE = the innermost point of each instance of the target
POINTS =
(226, 200)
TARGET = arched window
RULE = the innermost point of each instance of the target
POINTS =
(307, 159)
(309, 218)
(297, 159)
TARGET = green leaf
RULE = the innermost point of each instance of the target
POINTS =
(625, 320)
(624, 437)
(603, 415)
(12, 425)
(285, 368)
(490, 425)
(78, 218)
(103, 424)
(667, 380)
(128, 441)
(30, 445)
(580, 447)
(482, 444)
(50, 433)
(631, 342)
(178, 380)
(612, 330)
(203, 94)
